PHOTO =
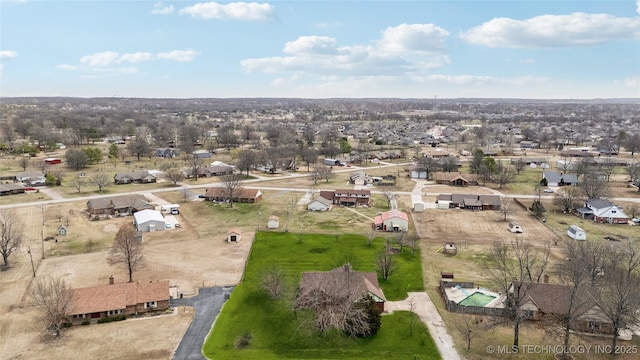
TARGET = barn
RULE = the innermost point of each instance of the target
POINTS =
(393, 220)
(149, 220)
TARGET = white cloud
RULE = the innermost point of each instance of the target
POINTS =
(136, 57)
(66, 67)
(549, 31)
(633, 82)
(100, 59)
(232, 11)
(403, 49)
(159, 9)
(8, 54)
(178, 55)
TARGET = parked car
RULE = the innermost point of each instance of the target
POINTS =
(201, 196)
(548, 190)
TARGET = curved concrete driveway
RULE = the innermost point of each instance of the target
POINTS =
(421, 305)
(207, 305)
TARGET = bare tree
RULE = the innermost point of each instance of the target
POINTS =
(390, 197)
(231, 186)
(77, 183)
(23, 162)
(506, 206)
(503, 174)
(138, 147)
(620, 293)
(246, 160)
(309, 156)
(338, 304)
(632, 144)
(371, 235)
(315, 174)
(273, 281)
(412, 242)
(572, 273)
(595, 186)
(385, 264)
(101, 181)
(519, 165)
(174, 175)
(326, 173)
(127, 251)
(634, 173)
(567, 198)
(633, 210)
(195, 164)
(11, 232)
(511, 268)
(53, 298)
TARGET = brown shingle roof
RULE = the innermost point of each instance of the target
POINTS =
(117, 296)
(451, 176)
(122, 201)
(360, 283)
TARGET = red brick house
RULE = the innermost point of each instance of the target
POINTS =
(456, 179)
(348, 197)
(93, 303)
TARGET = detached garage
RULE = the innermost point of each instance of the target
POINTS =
(149, 220)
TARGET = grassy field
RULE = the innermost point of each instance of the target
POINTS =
(276, 332)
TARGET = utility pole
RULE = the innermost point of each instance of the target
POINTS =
(33, 268)
(42, 233)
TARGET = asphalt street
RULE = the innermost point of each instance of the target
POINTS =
(207, 305)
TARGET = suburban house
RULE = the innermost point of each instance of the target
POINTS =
(10, 189)
(127, 299)
(602, 211)
(470, 201)
(167, 153)
(393, 220)
(273, 222)
(209, 171)
(348, 197)
(149, 220)
(555, 178)
(361, 178)
(117, 205)
(435, 153)
(240, 195)
(542, 300)
(136, 177)
(456, 178)
(319, 204)
(360, 284)
(31, 178)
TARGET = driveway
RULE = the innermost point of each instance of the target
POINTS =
(207, 304)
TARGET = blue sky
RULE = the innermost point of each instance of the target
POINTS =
(321, 49)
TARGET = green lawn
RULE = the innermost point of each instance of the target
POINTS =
(277, 332)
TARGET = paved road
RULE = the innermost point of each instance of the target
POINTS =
(207, 304)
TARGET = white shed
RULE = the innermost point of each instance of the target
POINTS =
(515, 227)
(576, 233)
(416, 203)
(444, 204)
(149, 220)
(273, 223)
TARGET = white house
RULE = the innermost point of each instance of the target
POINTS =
(393, 220)
(603, 211)
(149, 220)
(273, 223)
(416, 203)
(319, 204)
(575, 232)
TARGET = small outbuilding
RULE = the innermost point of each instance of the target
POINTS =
(416, 203)
(450, 248)
(62, 230)
(234, 235)
(273, 223)
(515, 227)
(575, 232)
(149, 220)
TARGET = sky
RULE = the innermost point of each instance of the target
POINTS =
(559, 49)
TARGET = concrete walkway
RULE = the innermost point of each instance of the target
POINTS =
(421, 305)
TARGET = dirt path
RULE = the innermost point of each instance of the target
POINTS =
(359, 213)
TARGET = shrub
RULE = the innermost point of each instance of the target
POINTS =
(243, 340)
(86, 322)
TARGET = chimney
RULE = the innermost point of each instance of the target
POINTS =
(546, 279)
(111, 280)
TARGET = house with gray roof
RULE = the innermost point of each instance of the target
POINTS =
(134, 177)
(602, 211)
(555, 179)
(117, 205)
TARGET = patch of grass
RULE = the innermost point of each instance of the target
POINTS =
(277, 332)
